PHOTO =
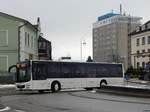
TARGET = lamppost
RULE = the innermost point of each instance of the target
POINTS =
(82, 42)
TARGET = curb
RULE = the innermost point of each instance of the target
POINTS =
(127, 91)
(1, 106)
(7, 86)
(4, 109)
(143, 83)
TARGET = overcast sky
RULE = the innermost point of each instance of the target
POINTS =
(66, 22)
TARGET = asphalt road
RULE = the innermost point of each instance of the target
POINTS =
(77, 101)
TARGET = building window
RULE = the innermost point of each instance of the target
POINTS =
(143, 64)
(35, 43)
(137, 42)
(3, 37)
(148, 50)
(148, 26)
(138, 52)
(138, 64)
(143, 53)
(25, 38)
(32, 42)
(28, 40)
(3, 63)
(143, 27)
(148, 40)
(143, 40)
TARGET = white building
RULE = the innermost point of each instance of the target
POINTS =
(28, 42)
(110, 38)
(140, 45)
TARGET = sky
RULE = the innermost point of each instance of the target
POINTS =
(68, 23)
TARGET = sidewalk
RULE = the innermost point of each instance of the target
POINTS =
(134, 80)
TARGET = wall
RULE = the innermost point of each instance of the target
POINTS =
(8, 48)
(7, 78)
(31, 48)
(135, 48)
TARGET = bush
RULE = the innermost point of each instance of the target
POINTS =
(135, 73)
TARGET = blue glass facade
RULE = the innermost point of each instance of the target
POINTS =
(108, 15)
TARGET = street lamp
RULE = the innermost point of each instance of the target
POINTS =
(82, 43)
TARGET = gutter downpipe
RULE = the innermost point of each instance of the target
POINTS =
(19, 27)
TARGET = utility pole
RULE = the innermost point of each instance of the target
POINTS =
(82, 43)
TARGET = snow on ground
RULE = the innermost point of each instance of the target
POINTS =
(7, 86)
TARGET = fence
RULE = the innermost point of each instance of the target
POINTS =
(7, 78)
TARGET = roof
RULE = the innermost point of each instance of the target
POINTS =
(71, 61)
(43, 39)
(108, 15)
(17, 19)
(140, 29)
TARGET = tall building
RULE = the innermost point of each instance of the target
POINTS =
(140, 45)
(18, 40)
(111, 42)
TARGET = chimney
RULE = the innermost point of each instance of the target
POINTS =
(39, 24)
(120, 9)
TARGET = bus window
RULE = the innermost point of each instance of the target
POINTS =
(53, 70)
(39, 71)
(102, 71)
(23, 72)
(116, 71)
(24, 75)
(78, 71)
(66, 70)
(91, 70)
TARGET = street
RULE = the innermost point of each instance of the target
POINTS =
(75, 101)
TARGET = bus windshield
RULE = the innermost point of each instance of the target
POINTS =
(23, 72)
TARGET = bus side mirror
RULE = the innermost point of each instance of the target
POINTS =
(11, 67)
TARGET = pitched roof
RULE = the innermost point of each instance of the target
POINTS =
(140, 30)
(17, 19)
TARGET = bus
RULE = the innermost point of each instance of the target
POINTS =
(43, 75)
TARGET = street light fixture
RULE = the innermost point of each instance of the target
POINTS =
(82, 43)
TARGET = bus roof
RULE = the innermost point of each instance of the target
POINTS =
(73, 61)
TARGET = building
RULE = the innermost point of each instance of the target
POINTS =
(110, 38)
(18, 40)
(44, 49)
(140, 45)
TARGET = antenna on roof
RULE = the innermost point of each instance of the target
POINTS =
(120, 9)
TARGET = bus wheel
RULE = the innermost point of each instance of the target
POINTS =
(103, 83)
(55, 87)
(88, 89)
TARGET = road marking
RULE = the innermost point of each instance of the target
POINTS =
(7, 108)
(19, 111)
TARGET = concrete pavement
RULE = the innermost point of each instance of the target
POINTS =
(135, 80)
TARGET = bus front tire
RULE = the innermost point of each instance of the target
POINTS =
(55, 87)
(88, 89)
(103, 83)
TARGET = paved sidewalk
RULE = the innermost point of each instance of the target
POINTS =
(134, 80)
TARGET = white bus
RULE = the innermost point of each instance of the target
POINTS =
(56, 75)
